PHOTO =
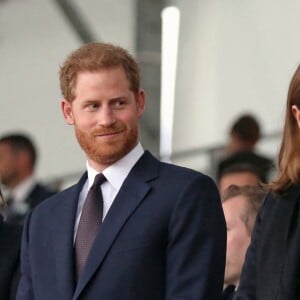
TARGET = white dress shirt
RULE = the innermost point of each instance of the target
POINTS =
(22, 190)
(115, 175)
(19, 195)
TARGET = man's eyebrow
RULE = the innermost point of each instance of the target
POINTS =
(118, 98)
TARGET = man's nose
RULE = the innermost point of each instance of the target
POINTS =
(106, 116)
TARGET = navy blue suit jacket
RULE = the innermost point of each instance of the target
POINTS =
(164, 237)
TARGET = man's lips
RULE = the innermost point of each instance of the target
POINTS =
(107, 134)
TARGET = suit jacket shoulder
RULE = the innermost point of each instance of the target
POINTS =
(172, 172)
(39, 193)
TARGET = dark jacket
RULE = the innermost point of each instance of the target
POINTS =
(262, 166)
(35, 197)
(10, 239)
(164, 237)
(272, 264)
(228, 293)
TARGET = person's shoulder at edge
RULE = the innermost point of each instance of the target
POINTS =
(183, 173)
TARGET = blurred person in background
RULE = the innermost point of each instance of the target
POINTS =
(240, 206)
(272, 265)
(10, 240)
(18, 156)
(244, 135)
(238, 174)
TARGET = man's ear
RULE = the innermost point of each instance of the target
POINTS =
(296, 113)
(67, 111)
(140, 102)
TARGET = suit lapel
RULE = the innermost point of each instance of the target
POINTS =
(131, 194)
(63, 231)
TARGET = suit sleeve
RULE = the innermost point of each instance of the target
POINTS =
(248, 283)
(25, 291)
(197, 244)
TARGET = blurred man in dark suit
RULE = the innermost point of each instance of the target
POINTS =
(241, 148)
(18, 158)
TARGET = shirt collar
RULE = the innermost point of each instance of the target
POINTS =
(117, 172)
(22, 190)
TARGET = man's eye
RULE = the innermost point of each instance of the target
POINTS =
(92, 106)
(119, 104)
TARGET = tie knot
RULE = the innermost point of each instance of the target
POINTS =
(99, 179)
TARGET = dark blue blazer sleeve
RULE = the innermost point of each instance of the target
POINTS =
(197, 244)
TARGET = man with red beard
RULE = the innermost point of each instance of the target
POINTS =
(132, 227)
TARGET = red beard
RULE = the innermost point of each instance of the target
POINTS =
(107, 152)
